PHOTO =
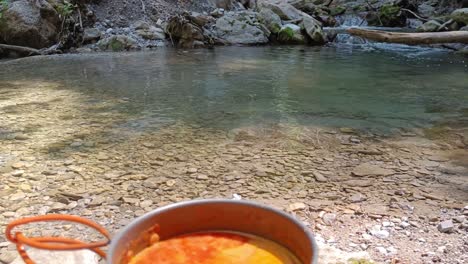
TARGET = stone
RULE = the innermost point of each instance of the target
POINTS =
(319, 177)
(426, 10)
(297, 206)
(328, 218)
(91, 35)
(358, 183)
(271, 20)
(68, 257)
(17, 196)
(429, 26)
(284, 10)
(117, 43)
(291, 34)
(313, 28)
(445, 226)
(192, 170)
(381, 234)
(381, 250)
(357, 198)
(217, 13)
(130, 200)
(241, 28)
(184, 32)
(17, 173)
(200, 19)
(21, 137)
(8, 256)
(460, 15)
(368, 169)
(140, 24)
(202, 177)
(146, 203)
(29, 23)
(152, 33)
(459, 219)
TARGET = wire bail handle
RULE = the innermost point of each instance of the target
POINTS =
(55, 243)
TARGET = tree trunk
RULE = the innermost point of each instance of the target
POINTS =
(20, 49)
(411, 38)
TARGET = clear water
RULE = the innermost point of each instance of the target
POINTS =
(377, 89)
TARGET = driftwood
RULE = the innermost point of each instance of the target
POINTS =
(23, 50)
(411, 38)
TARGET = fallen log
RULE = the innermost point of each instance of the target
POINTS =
(411, 38)
(24, 50)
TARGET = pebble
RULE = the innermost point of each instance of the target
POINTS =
(192, 170)
(202, 177)
(146, 203)
(319, 177)
(17, 196)
(459, 219)
(445, 226)
(329, 218)
(357, 197)
(381, 250)
(405, 224)
(17, 173)
(297, 206)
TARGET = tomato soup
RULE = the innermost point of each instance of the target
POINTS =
(215, 248)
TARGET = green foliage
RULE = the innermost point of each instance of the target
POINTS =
(3, 6)
(359, 261)
(65, 9)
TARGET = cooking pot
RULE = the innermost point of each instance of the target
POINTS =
(179, 219)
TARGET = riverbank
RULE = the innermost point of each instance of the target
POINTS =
(101, 145)
(87, 26)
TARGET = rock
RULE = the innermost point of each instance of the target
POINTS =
(184, 32)
(131, 200)
(460, 15)
(459, 219)
(223, 4)
(381, 250)
(29, 23)
(358, 183)
(152, 33)
(271, 20)
(192, 170)
(217, 13)
(284, 10)
(313, 28)
(146, 203)
(357, 198)
(7, 256)
(297, 206)
(91, 35)
(117, 43)
(381, 234)
(200, 19)
(389, 15)
(202, 177)
(68, 257)
(426, 10)
(414, 23)
(291, 34)
(141, 25)
(17, 196)
(241, 28)
(21, 137)
(465, 28)
(329, 218)
(17, 173)
(429, 26)
(368, 169)
(319, 177)
(445, 226)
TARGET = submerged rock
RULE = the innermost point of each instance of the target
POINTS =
(26, 23)
(241, 28)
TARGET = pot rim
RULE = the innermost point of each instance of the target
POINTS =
(115, 240)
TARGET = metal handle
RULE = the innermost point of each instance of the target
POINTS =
(54, 243)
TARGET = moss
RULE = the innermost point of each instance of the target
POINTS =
(337, 10)
(436, 132)
(116, 45)
(359, 261)
(287, 33)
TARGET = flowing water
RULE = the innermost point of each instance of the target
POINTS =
(381, 90)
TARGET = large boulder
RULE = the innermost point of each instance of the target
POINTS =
(117, 43)
(186, 34)
(313, 28)
(389, 15)
(29, 23)
(271, 20)
(284, 10)
(291, 34)
(241, 28)
(460, 15)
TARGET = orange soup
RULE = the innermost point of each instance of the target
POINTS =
(215, 248)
